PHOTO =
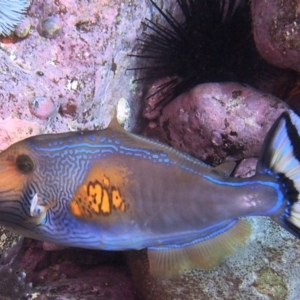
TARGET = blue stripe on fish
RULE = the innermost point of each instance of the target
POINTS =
(207, 233)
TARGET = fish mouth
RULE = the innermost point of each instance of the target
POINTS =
(12, 220)
(14, 212)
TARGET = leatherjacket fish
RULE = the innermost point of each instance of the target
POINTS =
(113, 190)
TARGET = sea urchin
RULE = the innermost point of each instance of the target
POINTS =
(11, 13)
(214, 43)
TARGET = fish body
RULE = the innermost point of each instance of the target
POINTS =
(112, 190)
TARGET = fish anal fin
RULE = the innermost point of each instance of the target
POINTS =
(206, 254)
(168, 263)
(114, 123)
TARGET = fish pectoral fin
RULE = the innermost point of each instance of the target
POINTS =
(37, 210)
(206, 254)
(226, 168)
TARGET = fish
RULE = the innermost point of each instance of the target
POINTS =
(110, 189)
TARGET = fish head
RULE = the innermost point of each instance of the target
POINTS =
(18, 167)
(31, 181)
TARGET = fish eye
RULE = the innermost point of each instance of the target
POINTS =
(25, 163)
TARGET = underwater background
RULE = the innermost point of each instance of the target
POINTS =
(69, 71)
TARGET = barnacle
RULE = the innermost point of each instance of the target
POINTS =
(11, 13)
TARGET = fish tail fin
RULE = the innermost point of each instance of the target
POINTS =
(281, 158)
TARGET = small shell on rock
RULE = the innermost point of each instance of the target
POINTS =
(123, 111)
(50, 27)
(42, 107)
(216, 138)
(22, 30)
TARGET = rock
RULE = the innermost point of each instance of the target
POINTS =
(276, 30)
(13, 130)
(220, 121)
(43, 107)
(50, 27)
(23, 28)
(246, 168)
(77, 273)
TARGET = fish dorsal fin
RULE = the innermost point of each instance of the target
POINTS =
(114, 123)
(206, 254)
(226, 168)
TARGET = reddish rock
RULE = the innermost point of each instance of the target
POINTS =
(80, 273)
(276, 28)
(246, 168)
(220, 121)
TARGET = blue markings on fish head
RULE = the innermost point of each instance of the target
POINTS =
(37, 180)
(41, 175)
